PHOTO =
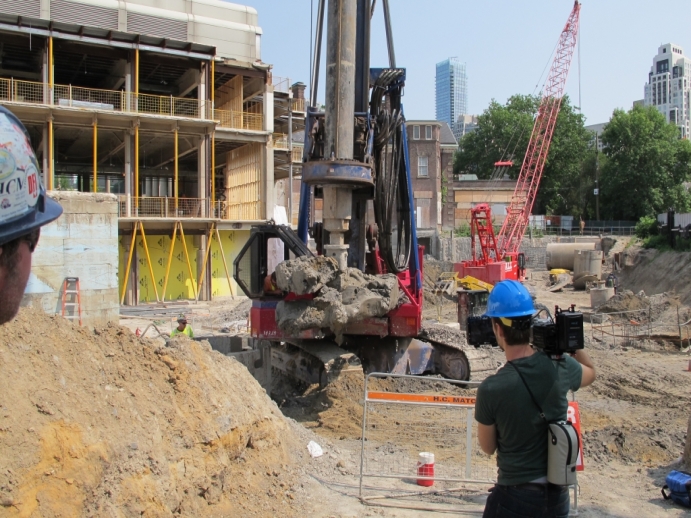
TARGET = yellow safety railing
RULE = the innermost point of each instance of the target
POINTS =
(297, 153)
(239, 120)
(219, 210)
(298, 105)
(280, 84)
(78, 97)
(165, 207)
(169, 105)
(280, 141)
(14, 90)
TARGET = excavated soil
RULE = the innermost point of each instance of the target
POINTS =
(97, 423)
(656, 272)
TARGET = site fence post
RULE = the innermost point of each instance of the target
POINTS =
(362, 438)
(469, 443)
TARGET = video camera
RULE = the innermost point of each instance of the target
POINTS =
(558, 336)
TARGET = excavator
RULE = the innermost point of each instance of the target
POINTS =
(356, 162)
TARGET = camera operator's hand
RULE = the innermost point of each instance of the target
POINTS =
(588, 375)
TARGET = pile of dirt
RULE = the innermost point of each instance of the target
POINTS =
(657, 272)
(625, 301)
(96, 423)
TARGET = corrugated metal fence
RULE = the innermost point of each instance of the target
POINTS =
(680, 220)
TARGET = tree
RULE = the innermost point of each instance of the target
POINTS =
(503, 134)
(646, 165)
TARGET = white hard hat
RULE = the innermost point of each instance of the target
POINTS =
(24, 205)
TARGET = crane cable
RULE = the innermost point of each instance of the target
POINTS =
(391, 191)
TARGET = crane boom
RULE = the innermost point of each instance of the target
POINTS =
(523, 199)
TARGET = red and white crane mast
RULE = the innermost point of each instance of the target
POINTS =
(523, 199)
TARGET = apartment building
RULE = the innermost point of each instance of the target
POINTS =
(171, 109)
(668, 87)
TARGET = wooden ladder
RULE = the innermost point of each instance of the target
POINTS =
(70, 287)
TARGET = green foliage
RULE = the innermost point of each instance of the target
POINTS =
(444, 188)
(463, 230)
(646, 227)
(661, 243)
(503, 134)
(536, 232)
(646, 165)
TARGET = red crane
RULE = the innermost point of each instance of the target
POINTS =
(500, 258)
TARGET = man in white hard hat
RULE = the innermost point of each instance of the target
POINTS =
(24, 209)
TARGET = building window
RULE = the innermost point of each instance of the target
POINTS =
(422, 169)
(416, 132)
(428, 132)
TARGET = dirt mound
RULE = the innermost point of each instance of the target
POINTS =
(625, 301)
(657, 272)
(96, 423)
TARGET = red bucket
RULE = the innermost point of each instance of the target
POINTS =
(425, 468)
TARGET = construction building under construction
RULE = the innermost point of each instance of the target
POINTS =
(173, 111)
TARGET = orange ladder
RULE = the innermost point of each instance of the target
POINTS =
(70, 287)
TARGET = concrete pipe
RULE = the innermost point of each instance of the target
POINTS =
(561, 255)
(600, 295)
(587, 267)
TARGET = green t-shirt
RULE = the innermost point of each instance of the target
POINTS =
(503, 400)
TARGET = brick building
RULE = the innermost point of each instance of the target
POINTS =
(431, 146)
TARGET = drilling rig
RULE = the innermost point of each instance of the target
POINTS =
(356, 161)
(498, 257)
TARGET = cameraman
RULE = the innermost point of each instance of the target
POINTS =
(508, 420)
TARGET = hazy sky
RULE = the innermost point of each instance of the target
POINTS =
(505, 44)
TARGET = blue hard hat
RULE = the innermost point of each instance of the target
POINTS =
(24, 205)
(509, 299)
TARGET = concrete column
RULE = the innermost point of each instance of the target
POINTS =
(202, 93)
(268, 155)
(129, 145)
(45, 151)
(203, 145)
(129, 74)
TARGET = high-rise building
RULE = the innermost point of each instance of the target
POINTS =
(451, 91)
(668, 87)
(464, 124)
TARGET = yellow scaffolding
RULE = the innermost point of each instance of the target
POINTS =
(138, 225)
(176, 226)
(213, 231)
(178, 232)
(50, 120)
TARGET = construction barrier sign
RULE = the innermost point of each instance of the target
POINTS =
(573, 415)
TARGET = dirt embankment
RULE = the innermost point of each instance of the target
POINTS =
(656, 272)
(97, 423)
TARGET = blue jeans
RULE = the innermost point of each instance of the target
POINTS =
(520, 502)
